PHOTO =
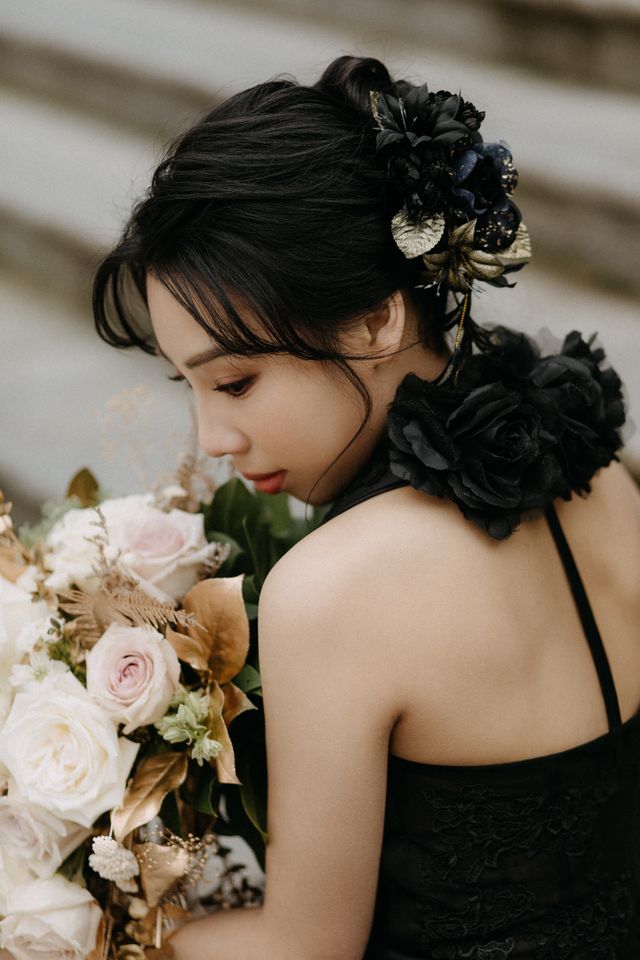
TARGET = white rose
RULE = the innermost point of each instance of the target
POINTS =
(17, 611)
(35, 836)
(12, 873)
(162, 550)
(52, 919)
(63, 750)
(132, 672)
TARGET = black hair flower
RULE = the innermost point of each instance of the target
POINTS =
(449, 180)
(515, 432)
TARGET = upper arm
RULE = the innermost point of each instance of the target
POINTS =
(328, 716)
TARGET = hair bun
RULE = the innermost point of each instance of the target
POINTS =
(351, 79)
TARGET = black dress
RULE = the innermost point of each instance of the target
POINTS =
(536, 858)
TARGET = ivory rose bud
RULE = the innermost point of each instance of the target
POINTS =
(63, 752)
(165, 551)
(35, 836)
(51, 919)
(132, 672)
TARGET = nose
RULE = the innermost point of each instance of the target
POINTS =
(217, 439)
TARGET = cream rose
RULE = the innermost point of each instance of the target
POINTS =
(163, 550)
(34, 836)
(63, 751)
(17, 613)
(132, 672)
(52, 919)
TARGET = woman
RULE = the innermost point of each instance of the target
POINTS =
(449, 776)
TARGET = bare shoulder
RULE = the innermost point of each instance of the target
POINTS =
(396, 544)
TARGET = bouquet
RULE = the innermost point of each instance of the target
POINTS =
(131, 722)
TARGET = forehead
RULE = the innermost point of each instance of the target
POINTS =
(178, 335)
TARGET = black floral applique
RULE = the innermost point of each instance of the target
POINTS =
(514, 433)
(482, 847)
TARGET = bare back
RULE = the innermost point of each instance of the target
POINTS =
(486, 652)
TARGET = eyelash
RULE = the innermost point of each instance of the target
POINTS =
(225, 388)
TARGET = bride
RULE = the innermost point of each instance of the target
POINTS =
(451, 659)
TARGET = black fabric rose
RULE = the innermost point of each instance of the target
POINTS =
(517, 431)
(485, 450)
(583, 408)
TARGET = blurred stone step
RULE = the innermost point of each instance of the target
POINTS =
(149, 69)
(595, 42)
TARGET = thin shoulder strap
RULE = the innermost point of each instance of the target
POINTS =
(587, 619)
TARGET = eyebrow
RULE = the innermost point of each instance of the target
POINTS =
(213, 353)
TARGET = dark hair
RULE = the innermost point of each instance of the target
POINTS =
(275, 197)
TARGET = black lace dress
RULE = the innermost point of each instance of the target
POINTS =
(536, 858)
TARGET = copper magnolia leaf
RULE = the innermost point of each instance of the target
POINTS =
(225, 762)
(84, 486)
(193, 650)
(11, 564)
(235, 702)
(161, 866)
(217, 604)
(154, 779)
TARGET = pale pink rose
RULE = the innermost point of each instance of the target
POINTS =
(165, 551)
(132, 672)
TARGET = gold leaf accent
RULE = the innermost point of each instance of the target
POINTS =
(415, 238)
(12, 565)
(161, 867)
(84, 486)
(225, 762)
(463, 263)
(235, 702)
(192, 651)
(120, 600)
(154, 779)
(221, 638)
(520, 250)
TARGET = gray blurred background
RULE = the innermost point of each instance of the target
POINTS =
(91, 90)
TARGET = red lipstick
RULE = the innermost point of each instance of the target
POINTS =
(267, 482)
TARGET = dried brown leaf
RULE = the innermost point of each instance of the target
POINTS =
(225, 762)
(235, 702)
(218, 607)
(193, 650)
(12, 565)
(84, 486)
(161, 866)
(154, 779)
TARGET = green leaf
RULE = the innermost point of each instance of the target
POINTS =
(277, 510)
(72, 868)
(248, 680)
(206, 784)
(250, 589)
(238, 560)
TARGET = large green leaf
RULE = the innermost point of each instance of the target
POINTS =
(206, 784)
(248, 680)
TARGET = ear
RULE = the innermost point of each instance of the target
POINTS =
(382, 329)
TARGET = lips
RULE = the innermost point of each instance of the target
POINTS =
(260, 476)
(267, 483)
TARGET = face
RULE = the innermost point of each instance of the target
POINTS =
(271, 412)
